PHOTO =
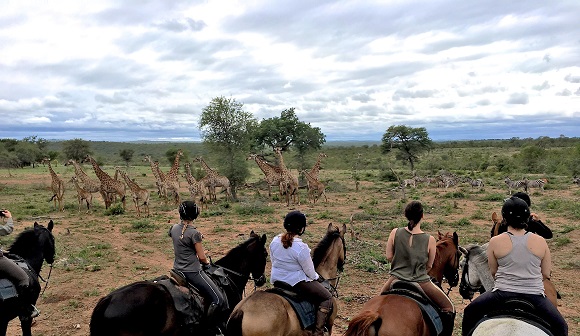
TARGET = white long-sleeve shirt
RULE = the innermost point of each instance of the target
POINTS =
(293, 264)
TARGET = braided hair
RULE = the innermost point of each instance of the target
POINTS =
(413, 213)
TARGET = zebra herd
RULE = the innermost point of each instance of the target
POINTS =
(525, 183)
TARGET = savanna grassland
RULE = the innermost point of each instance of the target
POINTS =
(100, 250)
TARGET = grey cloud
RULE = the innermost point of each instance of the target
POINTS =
(483, 102)
(564, 93)
(479, 91)
(401, 93)
(116, 98)
(518, 98)
(577, 93)
(572, 79)
(545, 85)
(447, 105)
(177, 25)
(362, 97)
(136, 12)
(401, 110)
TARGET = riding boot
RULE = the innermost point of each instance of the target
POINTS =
(28, 308)
(448, 320)
(214, 320)
(321, 319)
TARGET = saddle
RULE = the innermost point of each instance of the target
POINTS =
(521, 309)
(304, 309)
(413, 291)
(7, 287)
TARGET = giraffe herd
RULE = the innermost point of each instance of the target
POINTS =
(202, 190)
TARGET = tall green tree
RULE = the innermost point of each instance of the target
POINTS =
(127, 155)
(288, 131)
(409, 142)
(228, 130)
(76, 149)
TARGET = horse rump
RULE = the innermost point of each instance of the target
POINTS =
(364, 324)
(140, 308)
(234, 324)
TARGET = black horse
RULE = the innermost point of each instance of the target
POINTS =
(32, 246)
(147, 307)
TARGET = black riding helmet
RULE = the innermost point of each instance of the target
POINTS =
(188, 210)
(515, 211)
(295, 222)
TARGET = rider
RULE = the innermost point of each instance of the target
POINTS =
(292, 264)
(535, 225)
(190, 259)
(412, 253)
(518, 261)
(15, 273)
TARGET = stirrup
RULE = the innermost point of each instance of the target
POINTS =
(35, 312)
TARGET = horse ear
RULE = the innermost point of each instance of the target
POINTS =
(35, 224)
(50, 225)
(439, 234)
(330, 227)
(343, 231)
(263, 239)
(252, 233)
(455, 238)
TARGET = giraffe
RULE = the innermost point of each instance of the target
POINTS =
(288, 183)
(271, 171)
(195, 187)
(140, 195)
(57, 187)
(159, 175)
(314, 172)
(171, 182)
(82, 194)
(109, 186)
(315, 187)
(213, 179)
(88, 183)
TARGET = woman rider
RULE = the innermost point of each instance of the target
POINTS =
(292, 264)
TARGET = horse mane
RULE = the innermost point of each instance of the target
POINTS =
(23, 241)
(322, 247)
(237, 252)
(477, 254)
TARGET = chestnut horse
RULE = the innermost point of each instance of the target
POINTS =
(266, 313)
(397, 315)
(147, 308)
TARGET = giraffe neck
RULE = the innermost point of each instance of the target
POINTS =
(264, 166)
(132, 185)
(207, 169)
(281, 159)
(80, 172)
(99, 172)
(190, 179)
(172, 174)
(52, 173)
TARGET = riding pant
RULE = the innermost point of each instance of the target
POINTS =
(491, 300)
(432, 291)
(208, 288)
(10, 270)
(316, 293)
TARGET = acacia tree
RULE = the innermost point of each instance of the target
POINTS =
(408, 141)
(76, 149)
(288, 131)
(228, 130)
(127, 155)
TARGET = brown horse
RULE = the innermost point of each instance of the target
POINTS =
(266, 313)
(397, 315)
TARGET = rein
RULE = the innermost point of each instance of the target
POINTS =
(47, 279)
(261, 278)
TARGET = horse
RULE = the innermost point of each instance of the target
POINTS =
(476, 276)
(392, 314)
(148, 308)
(30, 249)
(268, 313)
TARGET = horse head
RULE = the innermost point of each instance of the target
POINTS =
(447, 259)
(35, 245)
(474, 260)
(329, 255)
(259, 253)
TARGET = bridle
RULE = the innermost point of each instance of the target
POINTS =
(465, 287)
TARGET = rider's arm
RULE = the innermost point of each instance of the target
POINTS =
(432, 249)
(491, 259)
(307, 265)
(200, 253)
(390, 251)
(546, 263)
(7, 228)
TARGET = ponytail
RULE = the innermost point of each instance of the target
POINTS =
(411, 225)
(287, 239)
(414, 213)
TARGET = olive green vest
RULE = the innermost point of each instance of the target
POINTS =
(410, 262)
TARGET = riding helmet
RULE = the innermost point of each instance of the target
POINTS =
(188, 210)
(515, 210)
(524, 196)
(295, 222)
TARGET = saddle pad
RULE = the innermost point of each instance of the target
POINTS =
(7, 290)
(190, 308)
(428, 310)
(305, 310)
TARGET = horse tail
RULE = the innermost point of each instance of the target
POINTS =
(360, 324)
(234, 325)
(97, 326)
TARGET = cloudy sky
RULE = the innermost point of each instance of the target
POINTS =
(136, 70)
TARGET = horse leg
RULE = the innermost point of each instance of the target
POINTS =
(3, 327)
(26, 325)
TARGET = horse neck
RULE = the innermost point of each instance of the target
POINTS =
(441, 260)
(235, 262)
(34, 259)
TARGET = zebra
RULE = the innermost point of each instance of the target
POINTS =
(513, 184)
(576, 180)
(475, 182)
(539, 183)
(409, 182)
(449, 180)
